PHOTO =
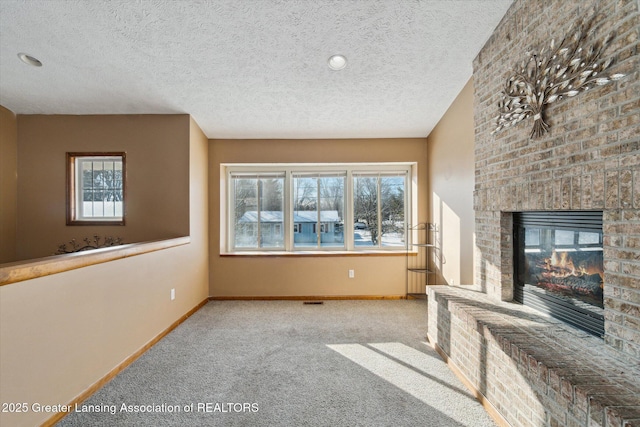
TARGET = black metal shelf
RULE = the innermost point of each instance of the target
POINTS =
(424, 240)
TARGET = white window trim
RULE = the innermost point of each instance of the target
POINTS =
(80, 188)
(226, 208)
(75, 188)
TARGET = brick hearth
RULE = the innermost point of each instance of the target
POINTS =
(529, 369)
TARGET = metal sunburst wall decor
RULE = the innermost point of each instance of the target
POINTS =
(562, 70)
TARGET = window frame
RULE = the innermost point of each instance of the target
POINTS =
(227, 206)
(316, 175)
(378, 176)
(74, 214)
(258, 175)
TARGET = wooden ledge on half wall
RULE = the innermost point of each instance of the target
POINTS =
(39, 267)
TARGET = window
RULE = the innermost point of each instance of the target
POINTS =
(378, 203)
(258, 210)
(95, 188)
(325, 207)
(318, 198)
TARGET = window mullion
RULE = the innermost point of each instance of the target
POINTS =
(407, 197)
(318, 214)
(348, 215)
(231, 214)
(379, 212)
(259, 208)
(288, 211)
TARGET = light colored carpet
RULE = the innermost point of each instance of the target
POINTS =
(283, 363)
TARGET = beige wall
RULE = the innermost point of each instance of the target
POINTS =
(451, 185)
(156, 186)
(308, 275)
(62, 333)
(8, 184)
(198, 213)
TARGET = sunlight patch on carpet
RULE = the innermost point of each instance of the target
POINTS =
(419, 374)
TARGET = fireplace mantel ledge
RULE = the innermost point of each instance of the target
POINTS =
(545, 351)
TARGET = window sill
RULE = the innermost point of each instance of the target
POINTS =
(31, 269)
(316, 253)
(95, 222)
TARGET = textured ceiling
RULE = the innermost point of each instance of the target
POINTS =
(247, 68)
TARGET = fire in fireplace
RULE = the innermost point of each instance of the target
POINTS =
(572, 274)
(559, 265)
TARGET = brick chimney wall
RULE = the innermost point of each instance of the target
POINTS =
(589, 160)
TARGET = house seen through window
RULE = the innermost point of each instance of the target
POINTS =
(319, 207)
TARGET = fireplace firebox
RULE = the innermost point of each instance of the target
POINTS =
(558, 261)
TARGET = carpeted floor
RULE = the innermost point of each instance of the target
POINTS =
(283, 363)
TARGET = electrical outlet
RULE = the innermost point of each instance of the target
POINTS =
(173, 294)
(352, 274)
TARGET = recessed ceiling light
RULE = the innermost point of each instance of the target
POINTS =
(29, 60)
(337, 62)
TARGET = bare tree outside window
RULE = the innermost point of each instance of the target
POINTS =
(379, 205)
(303, 207)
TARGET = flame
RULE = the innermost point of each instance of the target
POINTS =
(560, 265)
(563, 263)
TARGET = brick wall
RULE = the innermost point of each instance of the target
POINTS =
(590, 159)
(530, 370)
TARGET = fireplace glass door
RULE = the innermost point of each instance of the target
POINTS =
(559, 266)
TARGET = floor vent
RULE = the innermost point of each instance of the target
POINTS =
(313, 302)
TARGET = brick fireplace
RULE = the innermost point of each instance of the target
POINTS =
(588, 161)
